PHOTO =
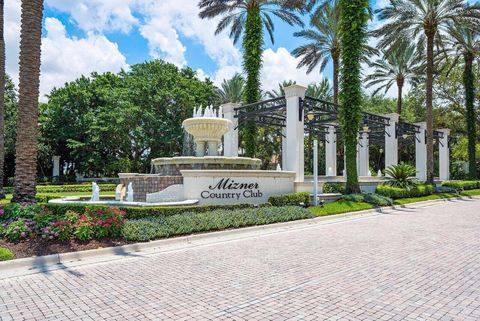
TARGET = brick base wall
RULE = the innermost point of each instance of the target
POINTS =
(145, 184)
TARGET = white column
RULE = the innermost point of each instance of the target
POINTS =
(56, 166)
(391, 141)
(363, 157)
(230, 139)
(294, 146)
(444, 155)
(421, 152)
(331, 152)
(284, 148)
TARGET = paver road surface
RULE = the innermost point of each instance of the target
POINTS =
(419, 263)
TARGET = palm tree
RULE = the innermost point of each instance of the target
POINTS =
(353, 24)
(397, 67)
(27, 120)
(2, 100)
(274, 93)
(464, 42)
(423, 22)
(231, 90)
(250, 17)
(323, 42)
(322, 90)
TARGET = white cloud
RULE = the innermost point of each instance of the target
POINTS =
(12, 37)
(65, 58)
(280, 65)
(98, 15)
(166, 21)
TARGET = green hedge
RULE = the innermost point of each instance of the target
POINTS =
(462, 185)
(143, 212)
(290, 199)
(373, 199)
(396, 192)
(334, 188)
(153, 228)
(78, 188)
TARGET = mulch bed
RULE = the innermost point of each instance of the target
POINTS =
(38, 246)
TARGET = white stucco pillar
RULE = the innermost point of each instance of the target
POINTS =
(391, 140)
(421, 152)
(230, 139)
(444, 155)
(363, 155)
(331, 152)
(284, 147)
(294, 145)
(56, 166)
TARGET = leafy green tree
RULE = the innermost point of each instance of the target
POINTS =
(423, 22)
(397, 67)
(463, 42)
(250, 17)
(353, 25)
(231, 90)
(109, 123)
(11, 107)
(323, 42)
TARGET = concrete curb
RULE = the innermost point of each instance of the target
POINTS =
(42, 264)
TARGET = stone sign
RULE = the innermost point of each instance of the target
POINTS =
(235, 187)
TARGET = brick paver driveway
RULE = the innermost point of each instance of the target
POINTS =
(412, 264)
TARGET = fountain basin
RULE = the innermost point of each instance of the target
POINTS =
(207, 129)
(172, 166)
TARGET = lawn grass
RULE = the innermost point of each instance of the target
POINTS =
(339, 208)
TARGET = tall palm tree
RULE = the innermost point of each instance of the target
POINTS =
(2, 100)
(27, 120)
(321, 90)
(353, 30)
(464, 42)
(397, 67)
(232, 89)
(274, 93)
(250, 18)
(323, 42)
(423, 22)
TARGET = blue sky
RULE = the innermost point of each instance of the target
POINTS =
(81, 36)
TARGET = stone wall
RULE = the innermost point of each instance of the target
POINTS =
(146, 184)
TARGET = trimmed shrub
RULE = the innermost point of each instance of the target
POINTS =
(397, 192)
(153, 228)
(5, 254)
(462, 185)
(290, 199)
(374, 199)
(357, 198)
(378, 200)
(78, 188)
(142, 212)
(334, 188)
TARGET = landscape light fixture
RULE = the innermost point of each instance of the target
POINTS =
(311, 115)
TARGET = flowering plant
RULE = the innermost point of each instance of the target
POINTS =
(17, 231)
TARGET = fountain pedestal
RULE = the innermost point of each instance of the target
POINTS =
(207, 132)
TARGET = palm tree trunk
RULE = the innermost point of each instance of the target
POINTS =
(252, 62)
(469, 84)
(352, 24)
(27, 119)
(2, 101)
(429, 103)
(399, 96)
(336, 65)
